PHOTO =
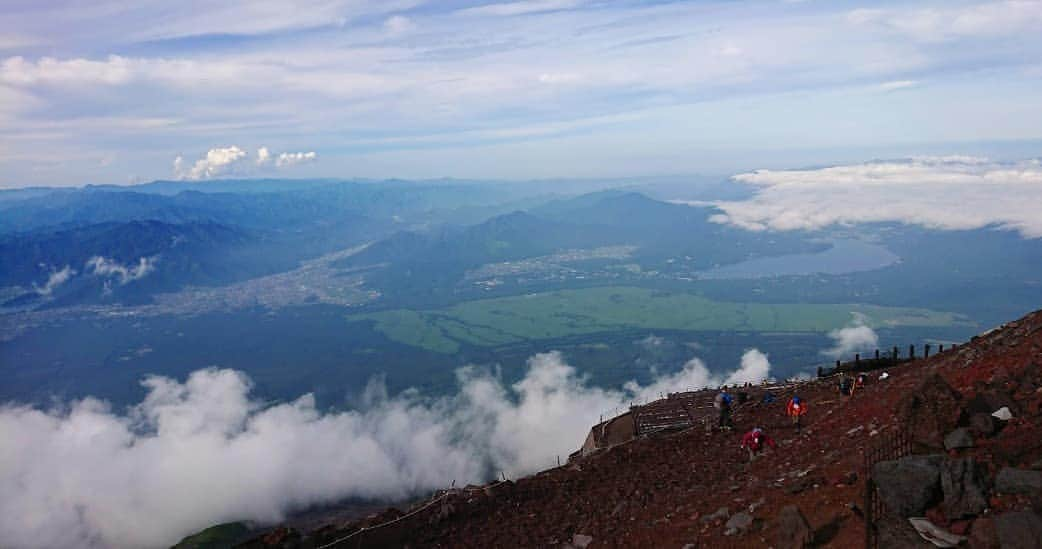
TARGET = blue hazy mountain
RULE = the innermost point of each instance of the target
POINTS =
(129, 261)
(424, 268)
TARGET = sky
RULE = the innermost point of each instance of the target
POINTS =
(124, 92)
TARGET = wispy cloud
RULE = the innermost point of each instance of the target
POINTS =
(104, 267)
(521, 7)
(360, 77)
(54, 280)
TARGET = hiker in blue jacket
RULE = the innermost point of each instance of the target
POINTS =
(723, 404)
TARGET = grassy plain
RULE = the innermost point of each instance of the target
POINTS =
(492, 322)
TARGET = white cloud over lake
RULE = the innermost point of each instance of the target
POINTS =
(955, 192)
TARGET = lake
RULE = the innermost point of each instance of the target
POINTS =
(845, 256)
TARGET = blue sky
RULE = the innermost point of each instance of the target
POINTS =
(103, 92)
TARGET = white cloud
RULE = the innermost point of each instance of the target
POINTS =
(985, 19)
(399, 24)
(855, 337)
(226, 160)
(263, 156)
(109, 268)
(522, 7)
(216, 162)
(293, 158)
(897, 85)
(150, 20)
(953, 192)
(55, 279)
(754, 368)
(203, 451)
(114, 70)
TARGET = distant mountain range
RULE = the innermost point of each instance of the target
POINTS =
(427, 266)
(424, 237)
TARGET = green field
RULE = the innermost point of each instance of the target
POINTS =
(492, 322)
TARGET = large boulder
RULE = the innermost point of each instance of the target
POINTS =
(958, 439)
(1018, 481)
(792, 531)
(896, 533)
(965, 494)
(1019, 530)
(910, 485)
(931, 411)
(738, 523)
(983, 424)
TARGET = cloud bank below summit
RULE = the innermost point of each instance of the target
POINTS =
(204, 451)
(950, 193)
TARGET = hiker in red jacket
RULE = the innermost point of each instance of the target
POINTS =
(755, 440)
(796, 408)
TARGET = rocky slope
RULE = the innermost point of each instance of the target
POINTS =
(971, 474)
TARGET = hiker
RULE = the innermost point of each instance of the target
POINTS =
(754, 442)
(846, 385)
(768, 398)
(723, 403)
(796, 408)
(859, 382)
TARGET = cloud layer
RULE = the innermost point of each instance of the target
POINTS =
(936, 192)
(203, 451)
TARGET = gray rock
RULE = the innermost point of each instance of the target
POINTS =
(932, 410)
(792, 529)
(1019, 530)
(1018, 481)
(958, 439)
(983, 424)
(963, 486)
(738, 523)
(581, 540)
(909, 486)
(720, 514)
(757, 504)
(896, 533)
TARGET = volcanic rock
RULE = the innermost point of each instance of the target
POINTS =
(963, 487)
(930, 411)
(739, 523)
(896, 533)
(910, 485)
(1018, 481)
(792, 529)
(581, 540)
(1019, 530)
(983, 424)
(958, 439)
